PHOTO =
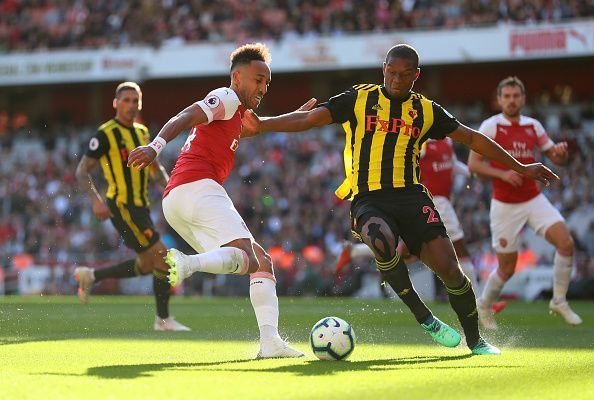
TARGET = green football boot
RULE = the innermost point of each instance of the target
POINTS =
(178, 270)
(442, 333)
(482, 348)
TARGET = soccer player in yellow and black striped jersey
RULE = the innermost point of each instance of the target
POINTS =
(126, 203)
(385, 126)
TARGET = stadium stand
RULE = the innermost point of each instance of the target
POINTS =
(52, 24)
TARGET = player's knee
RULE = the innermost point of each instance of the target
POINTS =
(253, 264)
(566, 247)
(378, 236)
(505, 272)
(451, 275)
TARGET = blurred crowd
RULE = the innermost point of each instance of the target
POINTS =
(282, 185)
(27, 25)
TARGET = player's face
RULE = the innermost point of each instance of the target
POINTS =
(511, 100)
(127, 105)
(400, 75)
(253, 81)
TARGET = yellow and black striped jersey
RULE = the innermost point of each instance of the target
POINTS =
(111, 145)
(384, 136)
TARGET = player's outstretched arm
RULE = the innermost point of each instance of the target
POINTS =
(488, 148)
(143, 156)
(295, 121)
(251, 122)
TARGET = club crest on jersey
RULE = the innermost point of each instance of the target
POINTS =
(413, 113)
(377, 107)
(212, 101)
(234, 145)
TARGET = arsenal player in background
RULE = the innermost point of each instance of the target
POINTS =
(517, 201)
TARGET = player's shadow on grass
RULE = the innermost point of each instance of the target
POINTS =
(300, 368)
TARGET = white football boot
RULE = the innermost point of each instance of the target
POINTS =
(486, 316)
(169, 324)
(563, 309)
(275, 347)
(85, 278)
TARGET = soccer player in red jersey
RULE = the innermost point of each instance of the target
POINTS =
(517, 201)
(197, 206)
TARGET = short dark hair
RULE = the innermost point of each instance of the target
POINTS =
(404, 51)
(511, 81)
(249, 52)
(127, 86)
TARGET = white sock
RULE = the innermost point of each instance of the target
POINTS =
(468, 269)
(562, 270)
(492, 289)
(265, 303)
(226, 260)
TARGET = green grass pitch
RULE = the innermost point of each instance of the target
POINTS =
(55, 348)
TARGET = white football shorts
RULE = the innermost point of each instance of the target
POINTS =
(508, 219)
(449, 218)
(202, 213)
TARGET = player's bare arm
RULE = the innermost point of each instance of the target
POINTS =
(251, 122)
(558, 154)
(478, 165)
(143, 156)
(295, 121)
(85, 181)
(485, 146)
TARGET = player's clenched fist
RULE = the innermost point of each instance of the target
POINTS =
(141, 157)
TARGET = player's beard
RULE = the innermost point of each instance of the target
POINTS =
(512, 113)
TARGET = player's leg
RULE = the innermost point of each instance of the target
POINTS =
(426, 237)
(456, 234)
(546, 220)
(439, 254)
(371, 227)
(494, 286)
(507, 221)
(265, 303)
(133, 238)
(204, 216)
(151, 261)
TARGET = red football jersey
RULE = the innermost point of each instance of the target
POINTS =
(209, 151)
(437, 166)
(520, 140)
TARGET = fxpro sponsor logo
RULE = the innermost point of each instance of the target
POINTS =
(374, 123)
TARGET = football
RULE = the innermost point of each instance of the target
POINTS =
(332, 339)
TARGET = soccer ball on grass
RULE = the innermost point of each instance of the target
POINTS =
(332, 338)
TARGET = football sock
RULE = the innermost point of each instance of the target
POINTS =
(225, 260)
(562, 271)
(468, 269)
(395, 273)
(161, 289)
(126, 269)
(492, 289)
(463, 302)
(265, 303)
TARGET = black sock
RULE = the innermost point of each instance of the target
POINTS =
(161, 288)
(395, 273)
(463, 302)
(126, 269)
